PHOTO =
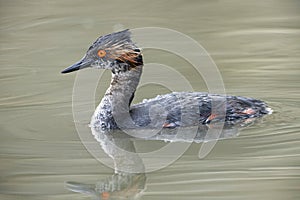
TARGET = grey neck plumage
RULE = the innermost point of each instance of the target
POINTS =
(115, 105)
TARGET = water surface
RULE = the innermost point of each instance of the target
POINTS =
(254, 44)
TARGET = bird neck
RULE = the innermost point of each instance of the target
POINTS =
(123, 86)
(117, 98)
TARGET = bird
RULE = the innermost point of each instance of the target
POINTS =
(119, 54)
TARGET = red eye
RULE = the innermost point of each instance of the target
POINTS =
(101, 53)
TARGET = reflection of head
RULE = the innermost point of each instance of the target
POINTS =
(117, 186)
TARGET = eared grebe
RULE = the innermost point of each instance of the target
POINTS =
(118, 53)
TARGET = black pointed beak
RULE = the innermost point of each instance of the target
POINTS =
(83, 63)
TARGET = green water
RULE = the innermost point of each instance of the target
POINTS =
(255, 45)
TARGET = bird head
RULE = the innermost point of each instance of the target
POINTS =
(114, 51)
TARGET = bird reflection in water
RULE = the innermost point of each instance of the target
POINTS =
(124, 183)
